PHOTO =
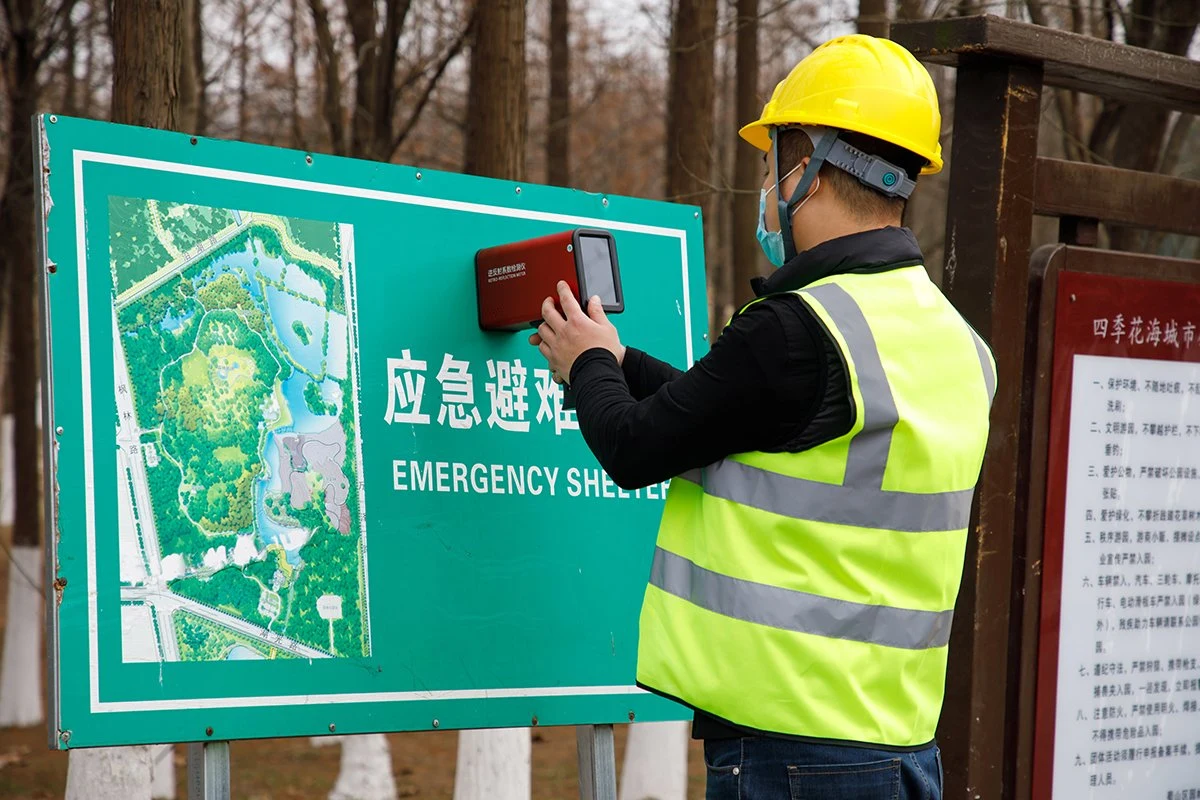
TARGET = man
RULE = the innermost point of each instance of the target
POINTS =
(825, 451)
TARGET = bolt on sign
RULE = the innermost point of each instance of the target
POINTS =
(293, 486)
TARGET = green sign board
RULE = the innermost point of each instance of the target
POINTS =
(294, 488)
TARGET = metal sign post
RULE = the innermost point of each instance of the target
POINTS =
(597, 762)
(208, 771)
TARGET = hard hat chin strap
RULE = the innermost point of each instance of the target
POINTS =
(873, 171)
(823, 140)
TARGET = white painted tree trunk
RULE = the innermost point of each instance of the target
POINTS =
(109, 773)
(20, 666)
(325, 741)
(7, 495)
(162, 771)
(493, 765)
(366, 771)
(655, 766)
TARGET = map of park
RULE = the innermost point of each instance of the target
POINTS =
(238, 459)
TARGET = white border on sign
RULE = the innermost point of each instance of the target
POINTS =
(82, 156)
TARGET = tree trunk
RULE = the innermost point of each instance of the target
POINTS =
(493, 765)
(21, 668)
(18, 267)
(690, 103)
(7, 494)
(200, 125)
(1167, 26)
(361, 17)
(189, 82)
(366, 769)
(747, 171)
(330, 68)
(20, 671)
(162, 771)
(109, 773)
(89, 62)
(656, 755)
(148, 62)
(558, 124)
(70, 99)
(243, 62)
(294, 72)
(873, 17)
(384, 107)
(498, 101)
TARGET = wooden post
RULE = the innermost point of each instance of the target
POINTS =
(988, 228)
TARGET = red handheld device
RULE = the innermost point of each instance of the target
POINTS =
(512, 280)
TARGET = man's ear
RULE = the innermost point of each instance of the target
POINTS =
(793, 180)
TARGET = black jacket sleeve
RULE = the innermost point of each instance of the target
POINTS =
(645, 374)
(757, 388)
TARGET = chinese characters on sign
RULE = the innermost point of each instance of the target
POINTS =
(1127, 717)
(506, 387)
(1138, 331)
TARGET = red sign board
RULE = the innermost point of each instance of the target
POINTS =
(1119, 656)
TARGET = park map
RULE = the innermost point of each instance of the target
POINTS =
(238, 457)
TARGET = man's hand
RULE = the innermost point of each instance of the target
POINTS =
(563, 339)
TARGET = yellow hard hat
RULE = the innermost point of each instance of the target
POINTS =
(863, 84)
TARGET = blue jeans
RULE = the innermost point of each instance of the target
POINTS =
(760, 768)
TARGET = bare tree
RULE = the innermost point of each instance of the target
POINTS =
(147, 62)
(558, 124)
(498, 98)
(329, 64)
(373, 130)
(690, 102)
(747, 174)
(30, 31)
(196, 51)
(243, 68)
(190, 81)
(293, 72)
(1168, 26)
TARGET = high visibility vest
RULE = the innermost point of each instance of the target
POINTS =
(811, 593)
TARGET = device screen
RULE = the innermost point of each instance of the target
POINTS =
(598, 268)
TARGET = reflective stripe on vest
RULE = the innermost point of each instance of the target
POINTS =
(799, 611)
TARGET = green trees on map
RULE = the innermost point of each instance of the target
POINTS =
(177, 533)
(314, 234)
(202, 640)
(301, 331)
(207, 369)
(339, 557)
(136, 252)
(316, 403)
(226, 590)
(211, 403)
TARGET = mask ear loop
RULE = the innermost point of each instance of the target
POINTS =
(821, 148)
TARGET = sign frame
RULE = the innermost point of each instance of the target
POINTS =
(1050, 351)
(309, 714)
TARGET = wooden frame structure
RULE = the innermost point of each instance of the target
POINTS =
(997, 184)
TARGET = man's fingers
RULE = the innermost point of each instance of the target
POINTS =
(566, 299)
(595, 310)
(551, 315)
(544, 349)
(545, 333)
(535, 339)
